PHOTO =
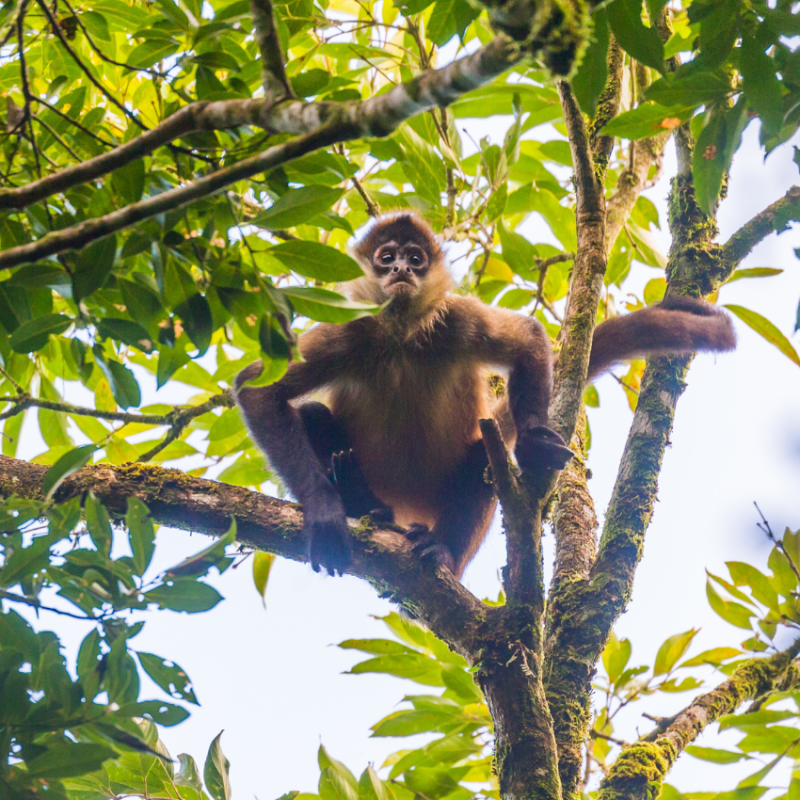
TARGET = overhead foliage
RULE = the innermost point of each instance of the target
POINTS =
(179, 181)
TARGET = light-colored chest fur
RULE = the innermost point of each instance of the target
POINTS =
(410, 423)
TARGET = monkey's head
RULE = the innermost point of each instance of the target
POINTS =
(402, 261)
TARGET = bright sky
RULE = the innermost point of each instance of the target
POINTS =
(272, 678)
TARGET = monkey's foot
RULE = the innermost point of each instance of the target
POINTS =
(357, 497)
(329, 544)
(428, 547)
(541, 448)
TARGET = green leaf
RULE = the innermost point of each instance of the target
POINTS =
(216, 771)
(713, 153)
(94, 265)
(169, 676)
(317, 261)
(715, 656)
(689, 90)
(671, 651)
(763, 327)
(422, 166)
(450, 18)
(644, 44)
(121, 380)
(416, 667)
(731, 612)
(217, 59)
(590, 79)
(20, 566)
(336, 782)
(197, 321)
(128, 181)
(761, 85)
(141, 533)
(98, 523)
(718, 30)
(262, 565)
(166, 714)
(376, 646)
(151, 51)
(326, 306)
(34, 334)
(64, 760)
(714, 755)
(518, 253)
(123, 330)
(616, 655)
(67, 465)
(747, 575)
(754, 272)
(170, 360)
(646, 120)
(296, 207)
(184, 594)
(371, 787)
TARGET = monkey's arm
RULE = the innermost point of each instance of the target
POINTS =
(675, 325)
(278, 429)
(499, 337)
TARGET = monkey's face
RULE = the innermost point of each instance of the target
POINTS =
(400, 268)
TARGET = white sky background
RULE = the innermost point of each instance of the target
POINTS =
(272, 679)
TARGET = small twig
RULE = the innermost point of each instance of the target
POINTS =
(106, 58)
(765, 527)
(597, 735)
(24, 400)
(89, 74)
(74, 122)
(11, 380)
(56, 136)
(29, 601)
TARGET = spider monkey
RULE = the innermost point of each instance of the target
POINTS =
(398, 436)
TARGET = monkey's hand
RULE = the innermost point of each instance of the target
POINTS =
(541, 448)
(429, 547)
(354, 490)
(325, 525)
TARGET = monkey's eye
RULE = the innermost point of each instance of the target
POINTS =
(387, 258)
(415, 261)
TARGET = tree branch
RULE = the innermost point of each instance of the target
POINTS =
(587, 274)
(641, 768)
(187, 413)
(773, 218)
(382, 557)
(377, 116)
(322, 123)
(607, 105)
(567, 684)
(273, 74)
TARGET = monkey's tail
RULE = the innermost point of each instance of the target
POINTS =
(675, 325)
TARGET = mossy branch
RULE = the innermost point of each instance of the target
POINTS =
(640, 768)
(382, 557)
(772, 219)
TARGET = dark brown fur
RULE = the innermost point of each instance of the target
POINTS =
(398, 434)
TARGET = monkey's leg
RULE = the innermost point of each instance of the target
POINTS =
(466, 514)
(329, 442)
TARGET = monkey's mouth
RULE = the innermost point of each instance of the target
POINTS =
(400, 286)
